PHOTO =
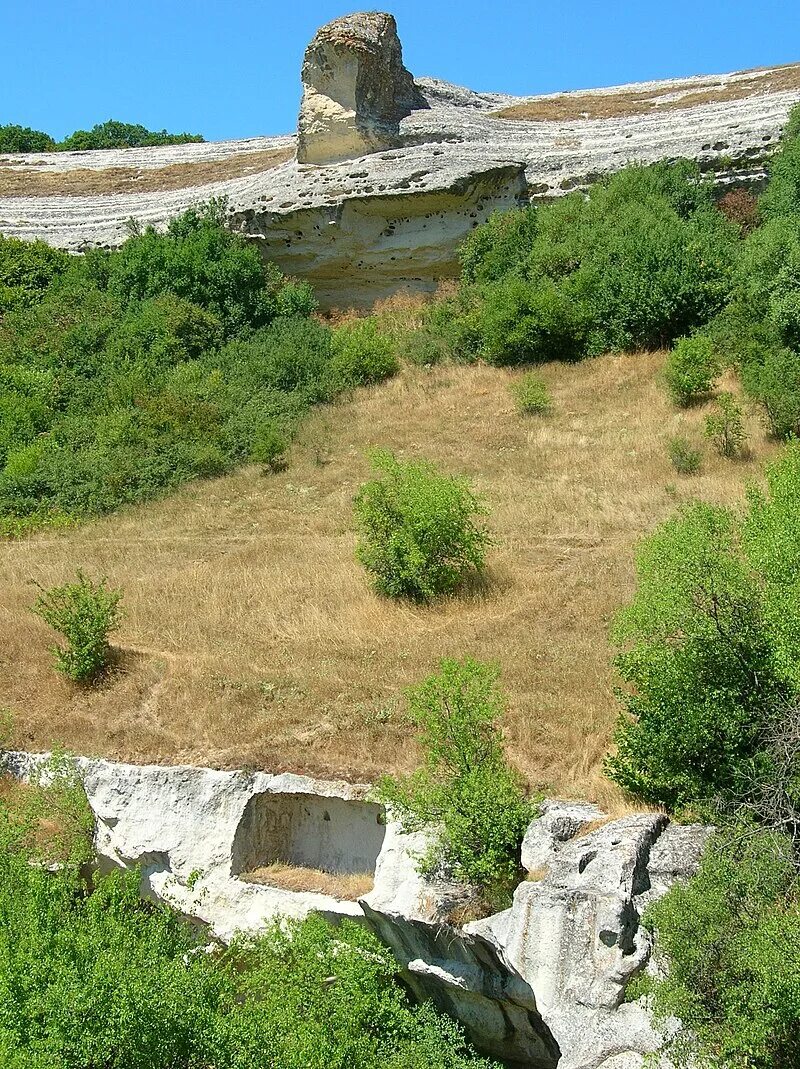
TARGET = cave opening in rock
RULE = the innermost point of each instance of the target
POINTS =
(309, 842)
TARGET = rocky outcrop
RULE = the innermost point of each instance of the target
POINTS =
(355, 89)
(403, 168)
(540, 984)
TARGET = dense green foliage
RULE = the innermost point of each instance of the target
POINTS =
(713, 645)
(84, 613)
(110, 134)
(730, 939)
(644, 258)
(26, 270)
(15, 138)
(129, 372)
(418, 535)
(103, 980)
(464, 793)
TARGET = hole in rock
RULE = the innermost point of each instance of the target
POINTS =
(295, 840)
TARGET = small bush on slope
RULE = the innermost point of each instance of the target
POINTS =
(26, 270)
(418, 535)
(15, 138)
(465, 793)
(362, 356)
(84, 613)
(691, 369)
(115, 134)
(105, 979)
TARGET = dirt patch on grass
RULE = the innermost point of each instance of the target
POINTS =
(251, 636)
(687, 94)
(346, 886)
(83, 182)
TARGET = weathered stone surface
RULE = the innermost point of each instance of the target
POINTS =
(393, 219)
(540, 984)
(355, 89)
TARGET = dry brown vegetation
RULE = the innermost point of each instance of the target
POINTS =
(594, 105)
(346, 886)
(83, 182)
(252, 637)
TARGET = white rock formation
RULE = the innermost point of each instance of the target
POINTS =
(361, 228)
(539, 984)
(355, 89)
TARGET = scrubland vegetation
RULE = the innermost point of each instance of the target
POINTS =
(501, 526)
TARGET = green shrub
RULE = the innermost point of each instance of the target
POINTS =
(270, 448)
(26, 270)
(728, 943)
(531, 395)
(465, 794)
(772, 378)
(725, 426)
(361, 355)
(712, 648)
(418, 535)
(691, 369)
(527, 323)
(424, 348)
(84, 613)
(684, 458)
(782, 196)
(22, 139)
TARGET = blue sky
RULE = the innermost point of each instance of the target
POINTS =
(231, 68)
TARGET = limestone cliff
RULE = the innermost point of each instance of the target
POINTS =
(392, 218)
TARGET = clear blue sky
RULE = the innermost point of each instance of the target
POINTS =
(231, 68)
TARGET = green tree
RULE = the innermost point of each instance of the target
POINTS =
(691, 369)
(465, 793)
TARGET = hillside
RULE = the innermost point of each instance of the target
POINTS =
(252, 638)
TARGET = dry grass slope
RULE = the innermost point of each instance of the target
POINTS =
(688, 94)
(84, 182)
(251, 636)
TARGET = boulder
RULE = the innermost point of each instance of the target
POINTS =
(355, 89)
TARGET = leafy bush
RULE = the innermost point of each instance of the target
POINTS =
(531, 395)
(691, 369)
(782, 196)
(84, 612)
(424, 348)
(645, 258)
(106, 979)
(772, 379)
(361, 355)
(684, 458)
(418, 535)
(523, 323)
(269, 448)
(114, 134)
(26, 270)
(22, 139)
(465, 793)
(712, 647)
(725, 426)
(730, 939)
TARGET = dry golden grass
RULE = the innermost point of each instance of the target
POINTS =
(586, 105)
(84, 182)
(252, 637)
(346, 886)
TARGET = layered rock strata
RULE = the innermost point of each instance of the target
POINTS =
(540, 984)
(355, 89)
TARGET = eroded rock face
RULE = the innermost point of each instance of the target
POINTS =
(540, 985)
(355, 89)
